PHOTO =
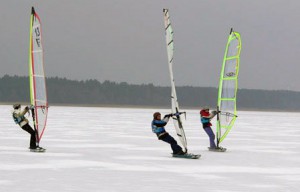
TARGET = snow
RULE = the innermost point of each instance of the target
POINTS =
(92, 149)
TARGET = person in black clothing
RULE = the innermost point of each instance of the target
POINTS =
(158, 128)
(20, 119)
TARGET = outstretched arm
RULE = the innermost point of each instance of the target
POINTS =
(167, 117)
(211, 115)
(160, 123)
(26, 109)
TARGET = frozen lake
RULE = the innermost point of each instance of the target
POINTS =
(114, 150)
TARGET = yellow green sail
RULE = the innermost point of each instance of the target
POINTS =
(228, 86)
(30, 59)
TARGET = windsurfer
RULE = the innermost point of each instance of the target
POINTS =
(158, 128)
(20, 119)
(206, 117)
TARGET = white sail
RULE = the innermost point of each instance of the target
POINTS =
(175, 108)
(38, 92)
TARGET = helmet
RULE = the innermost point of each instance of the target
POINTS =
(16, 106)
(204, 111)
(156, 114)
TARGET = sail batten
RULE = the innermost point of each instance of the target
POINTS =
(228, 86)
(38, 93)
(37, 51)
(174, 103)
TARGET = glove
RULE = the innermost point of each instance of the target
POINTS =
(168, 115)
(27, 108)
(214, 112)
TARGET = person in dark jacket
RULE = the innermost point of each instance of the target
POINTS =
(20, 119)
(159, 129)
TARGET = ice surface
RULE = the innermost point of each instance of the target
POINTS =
(113, 149)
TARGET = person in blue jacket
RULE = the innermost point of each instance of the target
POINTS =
(159, 129)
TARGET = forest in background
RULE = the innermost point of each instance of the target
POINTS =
(62, 91)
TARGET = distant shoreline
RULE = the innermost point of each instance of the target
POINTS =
(144, 107)
(92, 93)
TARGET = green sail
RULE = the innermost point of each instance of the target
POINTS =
(228, 86)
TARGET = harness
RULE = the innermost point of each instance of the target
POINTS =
(18, 120)
(204, 120)
(157, 126)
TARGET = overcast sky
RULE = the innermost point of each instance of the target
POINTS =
(124, 40)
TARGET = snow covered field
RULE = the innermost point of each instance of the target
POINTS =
(113, 149)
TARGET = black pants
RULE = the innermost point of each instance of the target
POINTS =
(169, 139)
(28, 129)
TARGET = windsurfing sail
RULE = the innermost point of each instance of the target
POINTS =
(228, 85)
(37, 81)
(175, 108)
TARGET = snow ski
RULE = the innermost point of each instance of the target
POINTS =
(187, 156)
(38, 150)
(217, 149)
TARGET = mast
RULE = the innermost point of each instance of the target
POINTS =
(228, 86)
(37, 81)
(175, 107)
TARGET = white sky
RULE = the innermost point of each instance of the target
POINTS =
(124, 40)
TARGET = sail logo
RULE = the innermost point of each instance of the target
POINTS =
(230, 74)
(38, 34)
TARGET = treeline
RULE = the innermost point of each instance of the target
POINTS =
(92, 92)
